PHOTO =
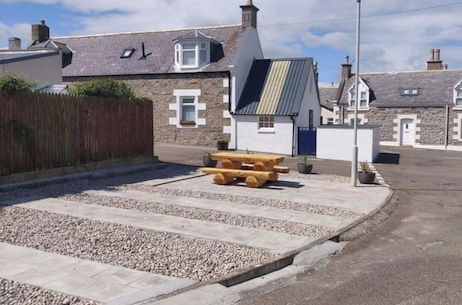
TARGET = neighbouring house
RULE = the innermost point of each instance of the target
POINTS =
(414, 108)
(280, 97)
(194, 76)
(38, 66)
(327, 95)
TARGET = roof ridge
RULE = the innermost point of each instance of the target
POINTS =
(412, 71)
(146, 32)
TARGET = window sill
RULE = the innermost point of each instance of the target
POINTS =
(266, 130)
(359, 109)
(188, 123)
(457, 108)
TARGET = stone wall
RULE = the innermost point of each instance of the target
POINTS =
(160, 88)
(429, 123)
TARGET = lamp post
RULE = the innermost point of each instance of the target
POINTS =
(354, 161)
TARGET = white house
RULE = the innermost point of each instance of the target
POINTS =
(280, 96)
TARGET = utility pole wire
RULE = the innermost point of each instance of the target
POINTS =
(333, 20)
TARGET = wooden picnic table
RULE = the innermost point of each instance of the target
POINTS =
(257, 169)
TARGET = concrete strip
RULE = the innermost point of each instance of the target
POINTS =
(204, 295)
(274, 241)
(362, 199)
(78, 277)
(234, 208)
(317, 253)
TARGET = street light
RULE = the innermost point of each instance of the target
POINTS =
(354, 162)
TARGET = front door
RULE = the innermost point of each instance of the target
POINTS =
(407, 132)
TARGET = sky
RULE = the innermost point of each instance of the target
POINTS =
(397, 35)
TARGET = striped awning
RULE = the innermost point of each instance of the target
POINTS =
(275, 87)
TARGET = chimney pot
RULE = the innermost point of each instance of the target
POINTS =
(249, 15)
(437, 54)
(42, 22)
(14, 43)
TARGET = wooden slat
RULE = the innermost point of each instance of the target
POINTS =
(238, 173)
(42, 131)
(249, 158)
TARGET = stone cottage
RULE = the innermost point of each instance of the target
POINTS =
(414, 108)
(194, 76)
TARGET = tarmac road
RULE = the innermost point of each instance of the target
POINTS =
(414, 258)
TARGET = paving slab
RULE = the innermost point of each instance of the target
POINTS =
(233, 208)
(256, 238)
(78, 277)
(363, 199)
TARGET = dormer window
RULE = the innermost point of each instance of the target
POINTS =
(127, 53)
(194, 50)
(363, 96)
(410, 92)
(190, 55)
(458, 95)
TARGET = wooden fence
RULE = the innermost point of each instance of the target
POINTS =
(43, 131)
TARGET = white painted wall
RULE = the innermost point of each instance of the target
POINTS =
(250, 138)
(249, 49)
(326, 114)
(337, 143)
(40, 70)
(310, 102)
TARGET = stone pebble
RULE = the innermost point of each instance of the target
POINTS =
(126, 246)
(15, 293)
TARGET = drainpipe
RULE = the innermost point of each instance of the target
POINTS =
(293, 135)
(447, 128)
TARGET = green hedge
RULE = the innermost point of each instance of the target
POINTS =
(11, 83)
(107, 88)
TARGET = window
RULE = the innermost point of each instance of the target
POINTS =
(188, 110)
(203, 53)
(189, 55)
(352, 121)
(410, 92)
(458, 95)
(192, 55)
(330, 121)
(266, 122)
(127, 53)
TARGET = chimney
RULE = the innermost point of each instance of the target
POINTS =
(435, 62)
(249, 15)
(346, 69)
(40, 32)
(14, 44)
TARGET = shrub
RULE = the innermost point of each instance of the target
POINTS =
(105, 88)
(11, 83)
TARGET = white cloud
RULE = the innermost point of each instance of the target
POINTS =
(20, 30)
(391, 42)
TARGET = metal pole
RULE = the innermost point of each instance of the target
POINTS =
(354, 162)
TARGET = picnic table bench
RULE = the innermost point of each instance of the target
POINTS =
(256, 169)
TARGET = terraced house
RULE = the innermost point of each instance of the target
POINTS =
(414, 108)
(195, 76)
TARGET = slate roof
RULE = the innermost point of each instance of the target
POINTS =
(436, 88)
(327, 95)
(99, 55)
(275, 87)
(15, 56)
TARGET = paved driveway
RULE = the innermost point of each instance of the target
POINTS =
(415, 258)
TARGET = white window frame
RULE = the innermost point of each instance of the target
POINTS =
(269, 123)
(193, 104)
(179, 51)
(363, 88)
(181, 94)
(459, 84)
